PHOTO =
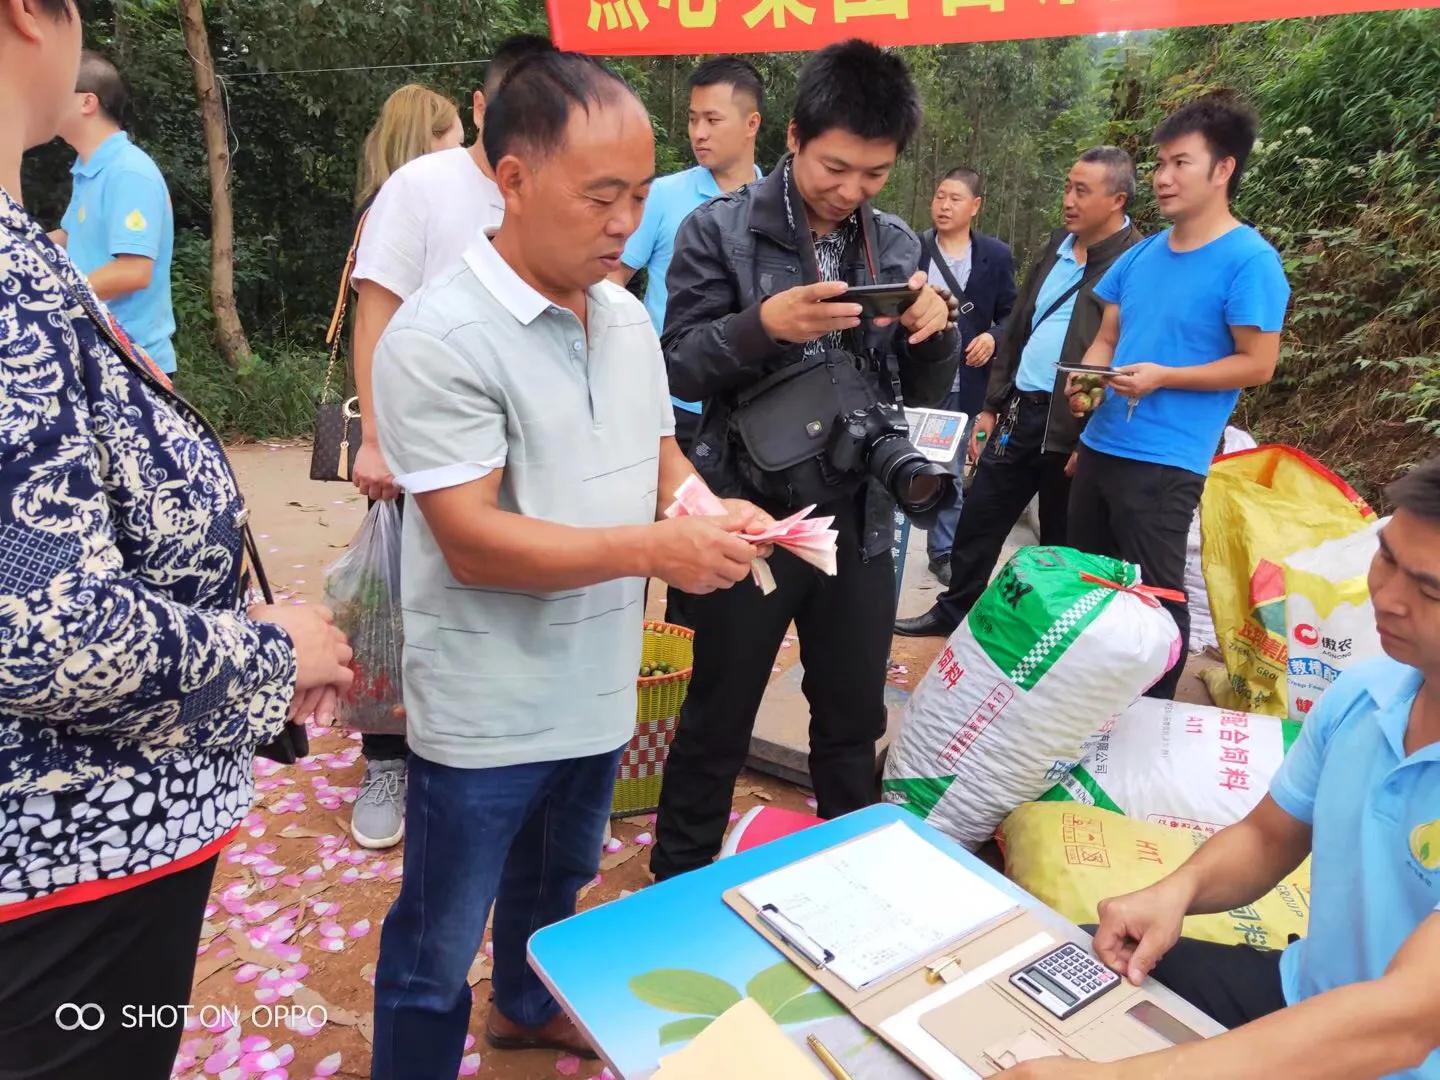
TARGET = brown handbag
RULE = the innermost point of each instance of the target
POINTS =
(337, 419)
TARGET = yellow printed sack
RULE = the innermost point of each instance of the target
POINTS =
(1261, 506)
(1072, 857)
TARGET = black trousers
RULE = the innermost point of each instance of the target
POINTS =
(844, 628)
(1003, 485)
(687, 428)
(1140, 512)
(120, 954)
(1233, 984)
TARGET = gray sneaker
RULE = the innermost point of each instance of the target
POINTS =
(378, 820)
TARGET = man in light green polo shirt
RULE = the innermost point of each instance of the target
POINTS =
(523, 403)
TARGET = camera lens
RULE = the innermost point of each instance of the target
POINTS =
(920, 486)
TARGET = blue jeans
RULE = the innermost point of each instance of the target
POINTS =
(526, 838)
(940, 539)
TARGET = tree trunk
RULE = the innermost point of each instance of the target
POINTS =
(229, 333)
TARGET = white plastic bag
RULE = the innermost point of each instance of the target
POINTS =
(1329, 620)
(363, 589)
(1057, 647)
(1180, 765)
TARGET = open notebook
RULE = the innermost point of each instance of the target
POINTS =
(874, 906)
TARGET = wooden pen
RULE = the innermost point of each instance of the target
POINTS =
(836, 1069)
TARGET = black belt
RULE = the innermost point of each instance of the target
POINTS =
(1033, 397)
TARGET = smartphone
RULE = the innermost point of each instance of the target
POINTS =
(1081, 369)
(876, 300)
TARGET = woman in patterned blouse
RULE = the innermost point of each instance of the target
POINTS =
(134, 683)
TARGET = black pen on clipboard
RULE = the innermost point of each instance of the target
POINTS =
(794, 935)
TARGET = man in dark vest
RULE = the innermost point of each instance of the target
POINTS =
(1029, 434)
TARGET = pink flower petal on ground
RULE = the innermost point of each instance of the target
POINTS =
(248, 973)
(291, 881)
(221, 1060)
(328, 1066)
(276, 1074)
(606, 1074)
(211, 910)
(613, 845)
(253, 1044)
(312, 873)
(302, 1025)
(490, 949)
(267, 995)
(469, 1065)
(812, 804)
(469, 1041)
(567, 1065)
(221, 1024)
(644, 839)
(734, 816)
(285, 1054)
(288, 953)
(331, 929)
(350, 876)
(360, 929)
(298, 971)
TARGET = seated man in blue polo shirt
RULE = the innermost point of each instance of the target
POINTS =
(1360, 794)
(119, 228)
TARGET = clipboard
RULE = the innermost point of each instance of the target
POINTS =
(986, 1024)
(879, 1001)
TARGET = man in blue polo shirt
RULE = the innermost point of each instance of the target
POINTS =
(1193, 314)
(726, 97)
(1360, 794)
(119, 228)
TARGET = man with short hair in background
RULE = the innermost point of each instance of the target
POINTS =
(422, 221)
(980, 271)
(1055, 320)
(727, 97)
(1193, 315)
(524, 407)
(119, 227)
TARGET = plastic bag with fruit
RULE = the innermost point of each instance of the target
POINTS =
(363, 589)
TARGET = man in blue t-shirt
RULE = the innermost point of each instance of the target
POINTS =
(119, 228)
(726, 99)
(1360, 795)
(1193, 314)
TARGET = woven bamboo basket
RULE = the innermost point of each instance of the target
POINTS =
(657, 714)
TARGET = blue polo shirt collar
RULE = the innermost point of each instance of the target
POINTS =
(1392, 697)
(705, 181)
(103, 155)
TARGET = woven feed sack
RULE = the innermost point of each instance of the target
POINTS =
(1261, 506)
(1058, 646)
(1329, 619)
(1072, 857)
(1179, 765)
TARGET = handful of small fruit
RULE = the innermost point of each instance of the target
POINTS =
(659, 667)
(1087, 394)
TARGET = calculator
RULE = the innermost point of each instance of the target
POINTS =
(1065, 980)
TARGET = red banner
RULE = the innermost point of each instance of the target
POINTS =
(618, 27)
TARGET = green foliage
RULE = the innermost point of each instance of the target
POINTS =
(1346, 181)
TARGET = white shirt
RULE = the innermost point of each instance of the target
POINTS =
(424, 218)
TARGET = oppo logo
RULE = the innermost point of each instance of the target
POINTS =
(1307, 635)
(87, 1017)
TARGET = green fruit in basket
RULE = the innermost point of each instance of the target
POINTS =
(645, 671)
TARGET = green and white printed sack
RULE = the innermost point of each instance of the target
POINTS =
(1185, 766)
(1059, 645)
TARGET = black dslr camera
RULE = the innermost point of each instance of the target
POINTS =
(876, 439)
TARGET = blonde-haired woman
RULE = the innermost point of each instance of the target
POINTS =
(414, 120)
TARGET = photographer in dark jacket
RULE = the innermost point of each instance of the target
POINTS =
(741, 309)
(1030, 434)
